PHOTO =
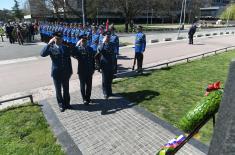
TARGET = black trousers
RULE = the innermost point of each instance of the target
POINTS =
(115, 64)
(85, 86)
(11, 39)
(139, 57)
(62, 82)
(190, 39)
(2, 38)
(107, 79)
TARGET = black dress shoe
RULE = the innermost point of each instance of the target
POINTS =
(88, 101)
(69, 106)
(106, 96)
(85, 102)
(62, 109)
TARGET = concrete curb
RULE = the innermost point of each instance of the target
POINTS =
(60, 132)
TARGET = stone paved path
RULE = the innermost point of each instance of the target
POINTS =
(115, 126)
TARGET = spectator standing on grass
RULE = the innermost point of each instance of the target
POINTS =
(140, 44)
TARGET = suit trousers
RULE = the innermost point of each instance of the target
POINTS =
(190, 39)
(62, 82)
(85, 86)
(107, 79)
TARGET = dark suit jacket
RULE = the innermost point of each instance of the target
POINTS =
(86, 60)
(61, 61)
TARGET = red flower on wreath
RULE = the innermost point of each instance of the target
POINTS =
(212, 87)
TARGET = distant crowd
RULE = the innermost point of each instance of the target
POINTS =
(19, 32)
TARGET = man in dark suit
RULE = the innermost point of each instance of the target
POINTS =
(104, 56)
(61, 69)
(191, 33)
(86, 67)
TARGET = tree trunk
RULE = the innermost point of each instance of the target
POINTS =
(126, 26)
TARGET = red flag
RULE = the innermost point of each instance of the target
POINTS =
(107, 25)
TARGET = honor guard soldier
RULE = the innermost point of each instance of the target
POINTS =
(66, 27)
(115, 40)
(101, 32)
(61, 69)
(140, 44)
(104, 56)
(95, 39)
(73, 35)
(69, 36)
(86, 67)
(191, 32)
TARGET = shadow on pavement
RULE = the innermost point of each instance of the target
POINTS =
(106, 106)
(121, 57)
(140, 96)
(115, 104)
(121, 68)
(198, 44)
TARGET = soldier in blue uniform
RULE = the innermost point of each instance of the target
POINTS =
(66, 26)
(86, 67)
(105, 54)
(61, 69)
(73, 35)
(69, 36)
(95, 39)
(101, 32)
(140, 44)
(115, 40)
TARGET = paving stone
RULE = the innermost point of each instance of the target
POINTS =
(124, 131)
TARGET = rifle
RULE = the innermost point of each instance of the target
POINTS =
(133, 68)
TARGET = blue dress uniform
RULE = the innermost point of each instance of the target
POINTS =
(73, 36)
(61, 72)
(86, 68)
(105, 54)
(77, 32)
(65, 33)
(89, 36)
(95, 41)
(69, 37)
(115, 40)
(101, 37)
(140, 44)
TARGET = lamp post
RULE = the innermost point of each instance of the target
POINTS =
(147, 16)
(185, 3)
(152, 17)
(97, 16)
(181, 15)
(83, 13)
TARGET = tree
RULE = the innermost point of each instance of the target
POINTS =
(6, 15)
(229, 13)
(16, 11)
(130, 8)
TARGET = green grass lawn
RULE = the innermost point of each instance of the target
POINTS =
(24, 131)
(170, 93)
